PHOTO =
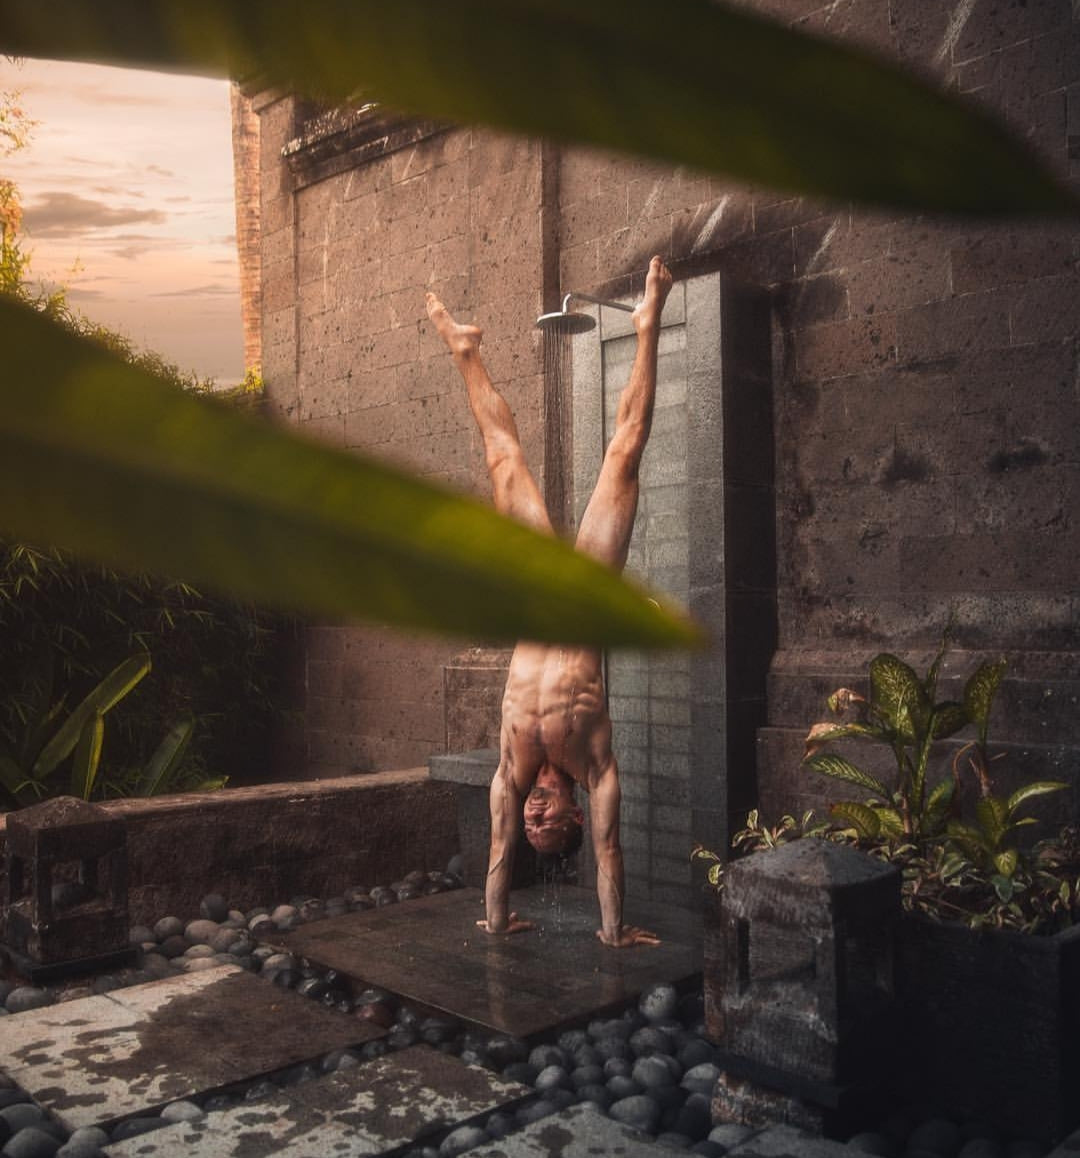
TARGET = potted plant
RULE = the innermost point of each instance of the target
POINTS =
(987, 958)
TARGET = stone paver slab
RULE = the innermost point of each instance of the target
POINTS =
(788, 1142)
(430, 951)
(407, 1095)
(369, 1109)
(579, 1132)
(101, 1058)
(279, 1125)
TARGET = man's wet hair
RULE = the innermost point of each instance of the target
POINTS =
(561, 866)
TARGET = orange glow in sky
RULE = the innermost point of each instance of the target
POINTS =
(127, 192)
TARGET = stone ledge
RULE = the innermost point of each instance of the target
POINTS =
(267, 843)
(475, 768)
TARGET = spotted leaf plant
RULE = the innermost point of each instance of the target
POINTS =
(903, 715)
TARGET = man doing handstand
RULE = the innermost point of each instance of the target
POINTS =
(556, 731)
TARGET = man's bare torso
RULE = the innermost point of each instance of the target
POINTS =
(554, 713)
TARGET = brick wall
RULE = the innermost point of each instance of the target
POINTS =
(923, 380)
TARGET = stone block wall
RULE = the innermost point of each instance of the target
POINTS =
(924, 386)
(349, 356)
(265, 845)
(924, 407)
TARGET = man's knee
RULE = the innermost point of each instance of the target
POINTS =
(504, 458)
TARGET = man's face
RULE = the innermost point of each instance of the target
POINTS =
(551, 814)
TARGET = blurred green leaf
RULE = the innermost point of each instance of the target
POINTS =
(98, 456)
(689, 81)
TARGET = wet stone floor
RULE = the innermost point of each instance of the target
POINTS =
(430, 951)
(100, 1059)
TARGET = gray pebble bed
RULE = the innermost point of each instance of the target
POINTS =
(651, 1068)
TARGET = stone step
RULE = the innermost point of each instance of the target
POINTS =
(430, 952)
(96, 1059)
(380, 1106)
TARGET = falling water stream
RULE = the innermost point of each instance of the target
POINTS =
(557, 383)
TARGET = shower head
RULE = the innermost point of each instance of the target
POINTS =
(566, 321)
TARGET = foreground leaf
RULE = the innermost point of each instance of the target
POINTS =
(731, 91)
(100, 457)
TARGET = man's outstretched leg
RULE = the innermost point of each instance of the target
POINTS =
(608, 521)
(517, 496)
(514, 489)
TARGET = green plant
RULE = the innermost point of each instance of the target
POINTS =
(757, 836)
(903, 715)
(52, 735)
(970, 869)
(217, 661)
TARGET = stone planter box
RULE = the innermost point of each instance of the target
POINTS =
(990, 1021)
(993, 1024)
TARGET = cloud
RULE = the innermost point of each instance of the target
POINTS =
(160, 171)
(92, 162)
(116, 190)
(131, 252)
(198, 291)
(56, 214)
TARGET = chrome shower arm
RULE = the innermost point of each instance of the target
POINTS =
(595, 301)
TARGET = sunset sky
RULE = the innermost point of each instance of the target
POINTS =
(127, 190)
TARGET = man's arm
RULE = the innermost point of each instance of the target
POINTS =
(505, 801)
(604, 799)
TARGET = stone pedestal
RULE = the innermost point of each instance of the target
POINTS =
(67, 907)
(473, 683)
(805, 983)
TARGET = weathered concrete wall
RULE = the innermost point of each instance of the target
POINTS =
(264, 845)
(923, 382)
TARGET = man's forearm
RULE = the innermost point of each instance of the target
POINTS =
(609, 890)
(497, 889)
(504, 805)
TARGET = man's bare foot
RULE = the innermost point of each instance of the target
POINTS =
(460, 339)
(657, 287)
